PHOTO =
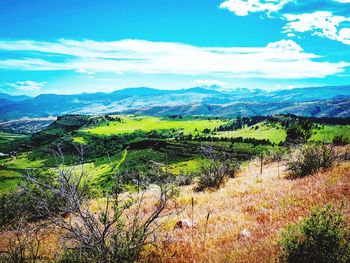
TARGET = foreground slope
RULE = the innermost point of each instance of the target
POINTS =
(260, 204)
(257, 205)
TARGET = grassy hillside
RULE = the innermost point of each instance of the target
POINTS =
(261, 205)
(8, 139)
(328, 132)
(130, 124)
(258, 131)
(174, 141)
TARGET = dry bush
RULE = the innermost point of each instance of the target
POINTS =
(23, 245)
(116, 231)
(213, 173)
(310, 159)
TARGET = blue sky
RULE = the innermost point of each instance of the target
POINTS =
(72, 46)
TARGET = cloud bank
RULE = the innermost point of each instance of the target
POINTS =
(284, 59)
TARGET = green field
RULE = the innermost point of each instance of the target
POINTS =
(185, 166)
(328, 132)
(134, 151)
(13, 169)
(264, 131)
(10, 138)
(131, 124)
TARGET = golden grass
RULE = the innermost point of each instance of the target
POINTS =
(262, 204)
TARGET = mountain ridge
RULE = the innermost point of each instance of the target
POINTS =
(142, 98)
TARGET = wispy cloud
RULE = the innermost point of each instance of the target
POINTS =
(343, 1)
(210, 82)
(25, 86)
(282, 59)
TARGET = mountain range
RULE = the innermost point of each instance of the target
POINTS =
(206, 100)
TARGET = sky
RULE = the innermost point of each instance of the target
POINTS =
(74, 46)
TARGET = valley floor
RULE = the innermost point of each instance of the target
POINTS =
(258, 205)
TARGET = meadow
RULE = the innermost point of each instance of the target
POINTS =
(258, 131)
(131, 124)
(327, 132)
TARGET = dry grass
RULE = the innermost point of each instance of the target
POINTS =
(262, 204)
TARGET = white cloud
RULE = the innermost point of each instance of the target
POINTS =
(321, 23)
(210, 82)
(285, 45)
(282, 59)
(84, 71)
(244, 7)
(28, 85)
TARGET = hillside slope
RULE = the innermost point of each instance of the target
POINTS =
(261, 204)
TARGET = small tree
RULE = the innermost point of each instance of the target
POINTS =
(299, 132)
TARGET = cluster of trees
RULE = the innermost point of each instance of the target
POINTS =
(240, 122)
(253, 141)
(112, 118)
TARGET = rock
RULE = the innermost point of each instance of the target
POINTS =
(245, 234)
(184, 223)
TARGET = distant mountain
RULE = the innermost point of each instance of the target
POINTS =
(13, 98)
(321, 108)
(317, 101)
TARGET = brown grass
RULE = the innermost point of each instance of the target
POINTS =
(261, 204)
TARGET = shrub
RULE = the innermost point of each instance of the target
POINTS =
(320, 238)
(22, 246)
(184, 178)
(213, 173)
(340, 140)
(310, 159)
(26, 203)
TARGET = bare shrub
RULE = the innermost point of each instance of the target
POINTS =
(116, 231)
(23, 245)
(185, 178)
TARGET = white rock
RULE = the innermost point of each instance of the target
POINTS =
(245, 234)
(184, 223)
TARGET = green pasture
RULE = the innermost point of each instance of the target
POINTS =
(328, 132)
(130, 124)
(263, 132)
